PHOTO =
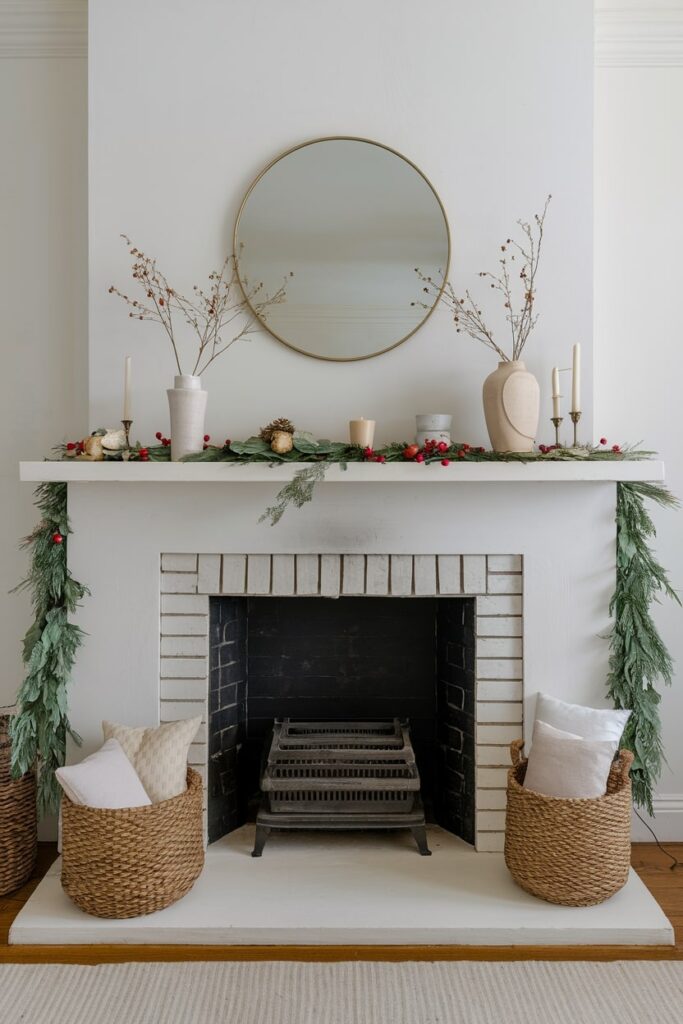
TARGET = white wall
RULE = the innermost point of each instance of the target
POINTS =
(43, 286)
(189, 100)
(638, 321)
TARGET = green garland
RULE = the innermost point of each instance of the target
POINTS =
(638, 655)
(40, 729)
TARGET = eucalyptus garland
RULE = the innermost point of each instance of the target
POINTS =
(638, 655)
(40, 729)
(639, 658)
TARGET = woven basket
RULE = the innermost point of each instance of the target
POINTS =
(124, 863)
(569, 851)
(18, 821)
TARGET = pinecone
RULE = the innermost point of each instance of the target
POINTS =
(285, 425)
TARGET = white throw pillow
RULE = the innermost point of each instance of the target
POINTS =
(159, 755)
(588, 723)
(104, 779)
(567, 766)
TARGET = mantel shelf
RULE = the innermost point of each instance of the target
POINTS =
(583, 471)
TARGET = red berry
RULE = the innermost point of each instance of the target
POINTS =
(445, 462)
(368, 452)
(603, 440)
(461, 453)
(228, 443)
(465, 447)
(411, 451)
(419, 457)
(481, 450)
(158, 435)
(144, 451)
(616, 448)
(442, 446)
(57, 538)
(70, 447)
(542, 448)
(381, 458)
(165, 441)
(207, 437)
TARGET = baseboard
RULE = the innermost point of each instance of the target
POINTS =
(666, 823)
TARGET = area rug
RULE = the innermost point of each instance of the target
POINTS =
(343, 993)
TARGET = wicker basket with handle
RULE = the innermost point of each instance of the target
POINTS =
(575, 852)
(18, 820)
(129, 862)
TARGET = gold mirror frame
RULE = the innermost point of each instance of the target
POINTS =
(313, 142)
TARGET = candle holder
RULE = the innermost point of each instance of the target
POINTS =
(127, 424)
(575, 417)
(556, 421)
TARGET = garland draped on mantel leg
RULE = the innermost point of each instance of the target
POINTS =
(638, 656)
(40, 729)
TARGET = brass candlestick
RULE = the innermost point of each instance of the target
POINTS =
(127, 424)
(575, 417)
(556, 421)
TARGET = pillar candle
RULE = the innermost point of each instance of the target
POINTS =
(127, 415)
(362, 432)
(576, 378)
(556, 392)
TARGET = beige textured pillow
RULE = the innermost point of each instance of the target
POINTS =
(567, 766)
(159, 755)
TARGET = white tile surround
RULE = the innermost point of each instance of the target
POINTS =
(495, 581)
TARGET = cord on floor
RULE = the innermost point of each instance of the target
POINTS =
(675, 861)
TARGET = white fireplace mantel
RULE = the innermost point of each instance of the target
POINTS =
(578, 471)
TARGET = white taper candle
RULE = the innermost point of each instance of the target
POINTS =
(556, 392)
(127, 414)
(576, 378)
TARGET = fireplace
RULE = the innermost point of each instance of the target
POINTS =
(355, 658)
(434, 639)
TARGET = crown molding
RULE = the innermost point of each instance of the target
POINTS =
(639, 37)
(43, 28)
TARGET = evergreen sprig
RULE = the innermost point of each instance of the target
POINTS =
(40, 729)
(638, 656)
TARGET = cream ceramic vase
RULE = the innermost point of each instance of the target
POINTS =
(187, 405)
(511, 407)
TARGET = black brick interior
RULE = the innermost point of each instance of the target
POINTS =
(353, 657)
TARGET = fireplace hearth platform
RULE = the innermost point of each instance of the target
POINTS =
(347, 888)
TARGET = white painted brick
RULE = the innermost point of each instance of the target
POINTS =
(185, 604)
(493, 757)
(499, 668)
(490, 842)
(258, 574)
(179, 583)
(209, 575)
(377, 575)
(499, 711)
(491, 799)
(499, 689)
(401, 575)
(449, 574)
(500, 604)
(425, 575)
(498, 733)
(283, 575)
(184, 668)
(492, 778)
(183, 646)
(184, 625)
(499, 647)
(178, 563)
(307, 574)
(505, 563)
(490, 820)
(330, 575)
(474, 574)
(502, 584)
(234, 574)
(198, 753)
(502, 625)
(179, 710)
(353, 574)
(183, 689)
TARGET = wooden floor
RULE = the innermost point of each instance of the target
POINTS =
(652, 866)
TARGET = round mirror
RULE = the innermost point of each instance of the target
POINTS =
(351, 220)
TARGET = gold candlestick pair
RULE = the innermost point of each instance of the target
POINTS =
(557, 421)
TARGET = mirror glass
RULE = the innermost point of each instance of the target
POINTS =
(350, 220)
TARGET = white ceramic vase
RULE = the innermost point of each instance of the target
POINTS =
(187, 405)
(511, 407)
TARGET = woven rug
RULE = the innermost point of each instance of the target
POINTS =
(345, 993)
